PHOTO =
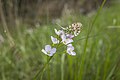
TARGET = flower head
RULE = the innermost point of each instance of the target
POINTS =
(48, 50)
(54, 40)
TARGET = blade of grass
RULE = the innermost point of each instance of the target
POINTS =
(85, 47)
(111, 73)
(107, 60)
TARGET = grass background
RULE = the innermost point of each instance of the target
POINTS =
(101, 61)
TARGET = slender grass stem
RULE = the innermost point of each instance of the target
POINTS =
(85, 47)
(106, 63)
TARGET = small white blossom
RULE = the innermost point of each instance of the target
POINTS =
(48, 50)
(54, 40)
(70, 49)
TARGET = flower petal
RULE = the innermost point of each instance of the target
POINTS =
(53, 50)
(44, 51)
(70, 52)
(73, 53)
(63, 37)
(69, 36)
(47, 48)
(70, 47)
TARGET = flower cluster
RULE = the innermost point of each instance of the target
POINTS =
(64, 36)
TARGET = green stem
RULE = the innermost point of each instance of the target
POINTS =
(62, 66)
(48, 70)
(42, 70)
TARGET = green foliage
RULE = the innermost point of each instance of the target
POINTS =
(101, 62)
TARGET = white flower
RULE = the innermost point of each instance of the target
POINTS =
(59, 32)
(54, 40)
(48, 50)
(70, 49)
(66, 40)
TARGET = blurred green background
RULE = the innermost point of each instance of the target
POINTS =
(26, 27)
